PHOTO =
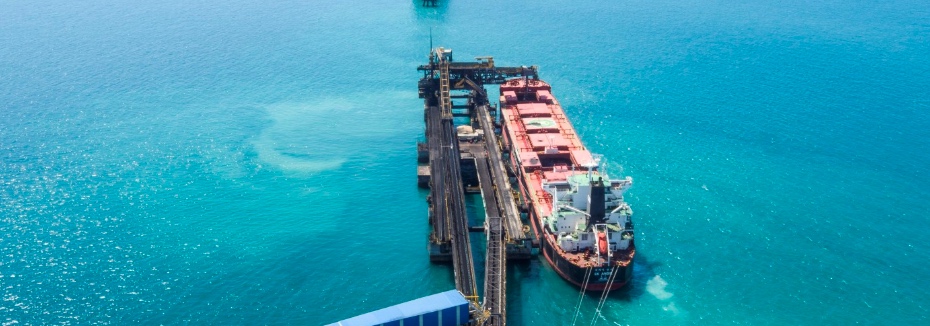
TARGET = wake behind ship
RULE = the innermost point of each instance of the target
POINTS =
(583, 224)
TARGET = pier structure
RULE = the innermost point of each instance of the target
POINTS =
(465, 134)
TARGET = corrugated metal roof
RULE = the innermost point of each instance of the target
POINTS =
(427, 304)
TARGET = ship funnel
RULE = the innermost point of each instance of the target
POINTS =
(596, 202)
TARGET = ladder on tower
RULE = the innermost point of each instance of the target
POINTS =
(445, 97)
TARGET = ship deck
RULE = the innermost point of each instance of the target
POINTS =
(545, 144)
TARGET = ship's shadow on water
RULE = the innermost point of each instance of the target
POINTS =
(533, 284)
(519, 275)
(643, 272)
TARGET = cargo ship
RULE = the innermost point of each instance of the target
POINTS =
(577, 212)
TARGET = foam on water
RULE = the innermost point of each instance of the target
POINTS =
(656, 287)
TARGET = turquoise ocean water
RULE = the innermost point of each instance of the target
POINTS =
(241, 162)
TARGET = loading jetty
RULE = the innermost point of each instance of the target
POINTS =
(462, 153)
(474, 145)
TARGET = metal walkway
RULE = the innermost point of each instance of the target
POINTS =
(447, 204)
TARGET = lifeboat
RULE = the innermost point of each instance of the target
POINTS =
(602, 243)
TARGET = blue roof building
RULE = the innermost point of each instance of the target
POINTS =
(442, 309)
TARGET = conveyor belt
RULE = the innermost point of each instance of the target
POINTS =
(511, 217)
(449, 194)
(454, 197)
(438, 214)
(495, 277)
(484, 180)
(495, 260)
(447, 206)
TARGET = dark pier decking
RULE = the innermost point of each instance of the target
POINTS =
(441, 159)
